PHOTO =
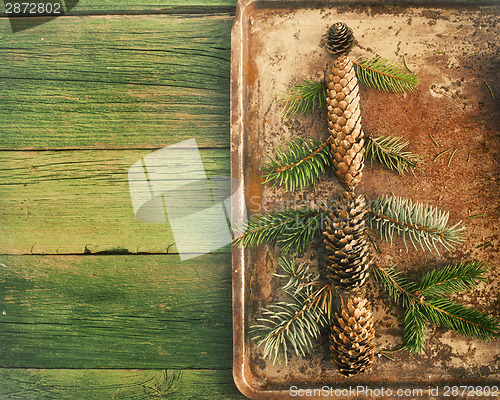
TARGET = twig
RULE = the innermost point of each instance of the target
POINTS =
(476, 216)
(483, 245)
(374, 244)
(452, 154)
(433, 140)
(440, 154)
(468, 157)
(428, 44)
(438, 52)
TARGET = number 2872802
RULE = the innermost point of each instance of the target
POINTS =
(33, 8)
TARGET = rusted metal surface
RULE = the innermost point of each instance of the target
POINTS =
(453, 49)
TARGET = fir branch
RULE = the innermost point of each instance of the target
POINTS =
(452, 279)
(300, 165)
(399, 288)
(299, 235)
(388, 151)
(466, 320)
(423, 303)
(287, 325)
(384, 75)
(321, 293)
(304, 98)
(291, 229)
(423, 224)
(298, 275)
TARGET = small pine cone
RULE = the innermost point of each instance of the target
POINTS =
(339, 39)
(344, 123)
(352, 336)
(346, 244)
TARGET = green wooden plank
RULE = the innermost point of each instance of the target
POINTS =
(134, 311)
(30, 384)
(72, 7)
(137, 81)
(79, 202)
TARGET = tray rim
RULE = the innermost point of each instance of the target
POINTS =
(237, 132)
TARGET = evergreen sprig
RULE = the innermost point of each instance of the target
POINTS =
(291, 229)
(289, 325)
(383, 74)
(398, 286)
(389, 151)
(304, 98)
(422, 224)
(423, 302)
(452, 278)
(298, 275)
(295, 324)
(301, 164)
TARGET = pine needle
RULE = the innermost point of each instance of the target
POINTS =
(424, 225)
(433, 141)
(451, 157)
(289, 325)
(382, 74)
(489, 88)
(300, 165)
(292, 229)
(304, 98)
(388, 151)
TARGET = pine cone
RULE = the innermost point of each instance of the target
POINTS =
(339, 39)
(344, 123)
(346, 244)
(351, 337)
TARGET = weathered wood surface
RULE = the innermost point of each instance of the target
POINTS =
(82, 98)
(151, 312)
(117, 384)
(140, 81)
(75, 7)
(79, 202)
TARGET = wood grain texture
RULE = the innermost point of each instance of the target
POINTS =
(115, 312)
(79, 202)
(140, 81)
(72, 7)
(30, 384)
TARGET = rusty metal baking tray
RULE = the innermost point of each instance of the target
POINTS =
(453, 48)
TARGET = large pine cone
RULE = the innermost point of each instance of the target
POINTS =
(352, 336)
(346, 242)
(344, 123)
(339, 39)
